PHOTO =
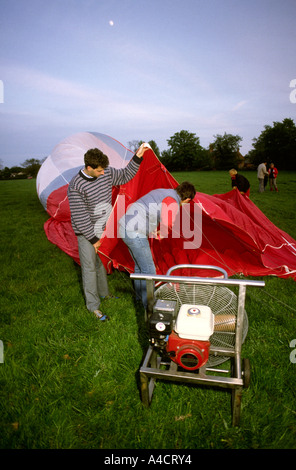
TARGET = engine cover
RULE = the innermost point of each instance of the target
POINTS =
(195, 322)
(189, 354)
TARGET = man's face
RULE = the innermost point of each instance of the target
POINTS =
(95, 172)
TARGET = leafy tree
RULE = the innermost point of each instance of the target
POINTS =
(225, 151)
(276, 144)
(16, 169)
(184, 153)
(205, 160)
(31, 166)
(5, 173)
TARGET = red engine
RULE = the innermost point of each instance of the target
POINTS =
(189, 354)
(184, 335)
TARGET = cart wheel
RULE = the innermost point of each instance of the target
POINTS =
(246, 372)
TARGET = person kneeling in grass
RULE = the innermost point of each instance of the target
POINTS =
(239, 182)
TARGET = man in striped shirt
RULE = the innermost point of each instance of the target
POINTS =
(90, 199)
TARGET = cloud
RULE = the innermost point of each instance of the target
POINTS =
(41, 82)
(239, 105)
(43, 98)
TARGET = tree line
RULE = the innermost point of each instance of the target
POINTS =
(275, 144)
(28, 169)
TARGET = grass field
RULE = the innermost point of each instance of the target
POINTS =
(69, 382)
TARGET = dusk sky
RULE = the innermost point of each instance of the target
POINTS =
(142, 70)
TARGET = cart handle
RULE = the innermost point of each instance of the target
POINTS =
(197, 266)
(196, 280)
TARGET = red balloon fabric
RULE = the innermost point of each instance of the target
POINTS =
(228, 231)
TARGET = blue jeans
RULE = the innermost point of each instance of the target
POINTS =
(139, 249)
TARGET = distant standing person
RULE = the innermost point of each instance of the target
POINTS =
(261, 172)
(239, 182)
(273, 172)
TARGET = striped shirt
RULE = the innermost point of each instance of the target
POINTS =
(90, 198)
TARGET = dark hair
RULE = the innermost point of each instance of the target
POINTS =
(94, 158)
(186, 190)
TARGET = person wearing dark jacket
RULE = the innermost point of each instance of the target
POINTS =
(239, 182)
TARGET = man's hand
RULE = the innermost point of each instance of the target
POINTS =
(142, 149)
(97, 245)
(156, 234)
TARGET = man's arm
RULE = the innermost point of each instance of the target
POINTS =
(124, 175)
(169, 211)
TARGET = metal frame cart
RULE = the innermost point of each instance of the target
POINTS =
(156, 367)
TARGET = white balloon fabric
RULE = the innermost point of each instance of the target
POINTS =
(67, 158)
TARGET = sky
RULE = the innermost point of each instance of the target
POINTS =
(142, 70)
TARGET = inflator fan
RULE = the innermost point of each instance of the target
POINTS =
(195, 324)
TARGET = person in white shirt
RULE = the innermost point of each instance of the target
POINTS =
(261, 172)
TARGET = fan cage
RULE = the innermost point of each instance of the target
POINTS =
(223, 303)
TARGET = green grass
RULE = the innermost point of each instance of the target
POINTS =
(69, 382)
